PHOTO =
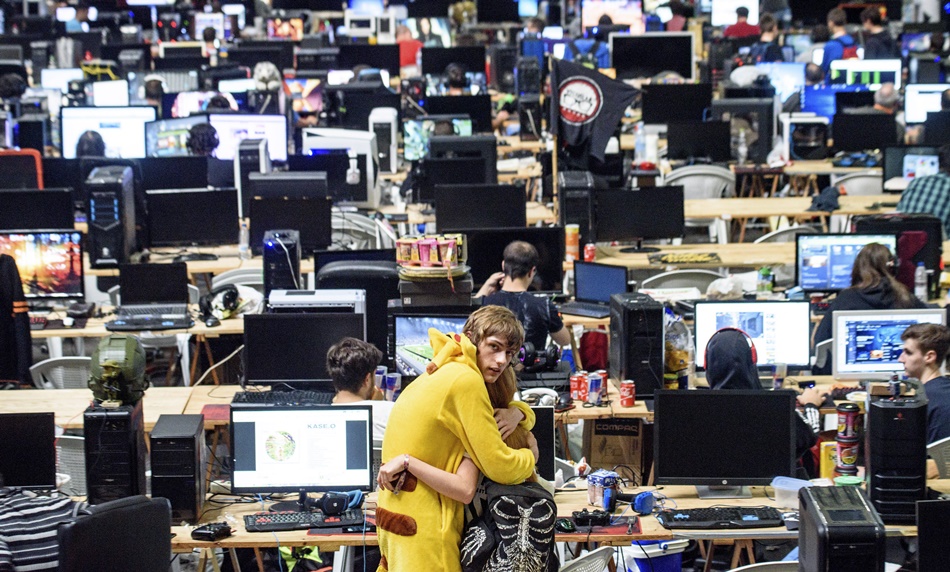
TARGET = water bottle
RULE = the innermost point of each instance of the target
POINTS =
(244, 240)
(920, 282)
(639, 144)
(742, 150)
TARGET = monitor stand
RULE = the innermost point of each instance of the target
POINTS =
(639, 248)
(302, 504)
(723, 492)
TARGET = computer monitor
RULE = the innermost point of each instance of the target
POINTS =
(914, 42)
(49, 263)
(292, 348)
(59, 78)
(627, 12)
(863, 131)
(213, 20)
(723, 441)
(192, 217)
(434, 30)
(501, 11)
(921, 99)
(169, 137)
(867, 343)
(824, 261)
(435, 60)
(334, 162)
(191, 172)
(822, 99)
(301, 449)
(937, 128)
(63, 173)
(480, 149)
(28, 450)
(29, 209)
(910, 162)
(110, 93)
(192, 102)
(708, 139)
(486, 251)
(798, 42)
(306, 95)
(380, 56)
(845, 100)
(309, 215)
(417, 132)
(285, 29)
(499, 206)
(237, 85)
(754, 115)
(477, 107)
(632, 215)
(411, 350)
(122, 129)
(781, 330)
(323, 257)
(237, 10)
(786, 77)
(724, 11)
(350, 105)
(646, 55)
(692, 101)
(872, 73)
(233, 128)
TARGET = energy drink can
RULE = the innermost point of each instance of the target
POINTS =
(595, 383)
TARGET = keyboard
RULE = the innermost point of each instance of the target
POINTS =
(586, 309)
(148, 322)
(173, 311)
(720, 517)
(290, 520)
(296, 397)
(37, 322)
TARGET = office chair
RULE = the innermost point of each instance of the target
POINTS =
(381, 282)
(121, 535)
(61, 373)
(594, 561)
(786, 234)
(22, 169)
(855, 184)
(683, 279)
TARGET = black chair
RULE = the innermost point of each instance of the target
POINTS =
(381, 282)
(132, 533)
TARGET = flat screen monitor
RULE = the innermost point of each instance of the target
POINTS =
(334, 162)
(237, 85)
(213, 20)
(292, 348)
(477, 107)
(692, 427)
(435, 60)
(628, 12)
(724, 11)
(191, 172)
(28, 450)
(285, 29)
(863, 131)
(122, 129)
(63, 173)
(780, 330)
(19, 171)
(169, 137)
(822, 99)
(302, 450)
(937, 128)
(323, 257)
(692, 101)
(486, 248)
(594, 282)
(308, 215)
(921, 99)
(237, 10)
(786, 77)
(646, 55)
(234, 127)
(350, 105)
(798, 42)
(179, 217)
(380, 56)
(867, 343)
(59, 78)
(411, 341)
(914, 42)
(500, 11)
(910, 162)
(29, 209)
(457, 161)
(708, 139)
(499, 206)
(823, 262)
(756, 116)
(434, 31)
(872, 73)
(366, 6)
(417, 132)
(637, 214)
(49, 263)
(191, 102)
(845, 100)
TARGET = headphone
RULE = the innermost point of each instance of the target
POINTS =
(542, 395)
(534, 361)
(748, 338)
(148, 78)
(334, 503)
(229, 300)
(353, 172)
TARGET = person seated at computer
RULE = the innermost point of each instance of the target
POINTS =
(878, 43)
(533, 27)
(813, 76)
(509, 288)
(887, 101)
(219, 103)
(930, 194)
(154, 88)
(924, 354)
(90, 144)
(873, 287)
(819, 36)
(591, 51)
(351, 364)
(202, 141)
(742, 28)
(408, 46)
(80, 22)
(766, 49)
(840, 41)
(729, 366)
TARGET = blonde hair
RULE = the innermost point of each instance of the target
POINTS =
(494, 321)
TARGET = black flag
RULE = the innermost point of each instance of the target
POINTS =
(587, 105)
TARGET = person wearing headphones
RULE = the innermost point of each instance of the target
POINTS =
(202, 141)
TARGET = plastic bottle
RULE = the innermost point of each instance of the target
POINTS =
(742, 150)
(920, 282)
(639, 143)
(244, 240)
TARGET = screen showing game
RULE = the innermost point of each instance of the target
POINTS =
(122, 129)
(49, 263)
(232, 129)
(825, 260)
(306, 95)
(413, 351)
(625, 12)
(169, 137)
(871, 73)
(780, 330)
(867, 344)
(416, 134)
(285, 29)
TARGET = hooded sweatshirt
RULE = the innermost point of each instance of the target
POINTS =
(442, 416)
(880, 46)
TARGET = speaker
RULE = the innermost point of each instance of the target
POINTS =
(384, 121)
(528, 77)
(501, 67)
(529, 116)
(896, 456)
(636, 341)
(178, 461)
(281, 261)
(575, 191)
(111, 215)
(115, 452)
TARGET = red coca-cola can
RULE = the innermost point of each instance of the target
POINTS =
(628, 393)
(576, 381)
(581, 387)
(590, 252)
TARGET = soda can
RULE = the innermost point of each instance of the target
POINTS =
(380, 376)
(603, 386)
(847, 420)
(628, 393)
(595, 383)
(393, 385)
(847, 451)
(590, 252)
(576, 381)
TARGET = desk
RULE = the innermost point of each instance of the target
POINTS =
(730, 255)
(803, 175)
(536, 213)
(227, 260)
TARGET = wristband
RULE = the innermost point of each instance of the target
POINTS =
(405, 463)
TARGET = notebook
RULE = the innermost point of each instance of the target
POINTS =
(153, 297)
(593, 285)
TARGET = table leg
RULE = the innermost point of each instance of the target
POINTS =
(55, 346)
(578, 365)
(260, 561)
(235, 563)
(565, 447)
(214, 372)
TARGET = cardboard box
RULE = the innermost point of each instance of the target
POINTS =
(612, 442)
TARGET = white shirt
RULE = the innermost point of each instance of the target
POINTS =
(381, 410)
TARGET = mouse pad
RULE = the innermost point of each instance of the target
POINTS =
(620, 528)
(216, 412)
(684, 258)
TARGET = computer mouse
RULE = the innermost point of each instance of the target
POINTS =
(564, 402)
(212, 322)
(565, 525)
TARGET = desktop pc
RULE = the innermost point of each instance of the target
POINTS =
(111, 215)
(281, 251)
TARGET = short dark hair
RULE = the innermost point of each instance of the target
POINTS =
(154, 89)
(209, 34)
(520, 257)
(218, 103)
(930, 337)
(872, 15)
(742, 12)
(814, 74)
(90, 144)
(202, 139)
(455, 76)
(945, 100)
(837, 17)
(349, 361)
(820, 33)
(767, 23)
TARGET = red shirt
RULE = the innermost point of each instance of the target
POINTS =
(407, 52)
(741, 30)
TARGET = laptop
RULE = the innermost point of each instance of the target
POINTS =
(593, 285)
(154, 297)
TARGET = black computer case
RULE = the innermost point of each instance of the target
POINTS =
(896, 454)
(281, 261)
(111, 215)
(177, 453)
(839, 531)
(115, 452)
(636, 341)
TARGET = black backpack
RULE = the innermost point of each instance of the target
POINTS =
(587, 59)
(515, 533)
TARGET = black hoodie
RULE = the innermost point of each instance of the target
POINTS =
(880, 46)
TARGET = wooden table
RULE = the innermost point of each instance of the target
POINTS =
(536, 213)
(803, 175)
(227, 260)
(731, 255)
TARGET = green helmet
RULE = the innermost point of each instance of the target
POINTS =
(118, 370)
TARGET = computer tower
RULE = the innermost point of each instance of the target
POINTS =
(281, 261)
(177, 443)
(252, 157)
(501, 67)
(528, 77)
(636, 341)
(384, 122)
(529, 116)
(40, 52)
(115, 452)
(839, 531)
(110, 193)
(896, 455)
(575, 189)
(31, 132)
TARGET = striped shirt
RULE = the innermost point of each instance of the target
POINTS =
(28, 529)
(929, 195)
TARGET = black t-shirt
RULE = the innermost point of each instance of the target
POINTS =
(938, 408)
(537, 314)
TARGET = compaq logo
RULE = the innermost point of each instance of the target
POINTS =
(321, 426)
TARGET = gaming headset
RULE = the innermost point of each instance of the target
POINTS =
(748, 338)
(229, 300)
(534, 361)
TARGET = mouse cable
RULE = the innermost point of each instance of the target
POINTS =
(220, 363)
